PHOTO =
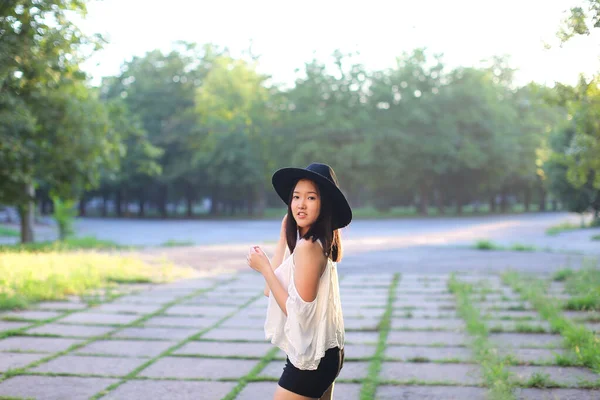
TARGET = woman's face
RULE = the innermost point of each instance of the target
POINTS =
(306, 204)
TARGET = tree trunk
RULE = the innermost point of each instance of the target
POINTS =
(492, 203)
(423, 200)
(189, 201)
(214, 201)
(527, 199)
(503, 202)
(554, 205)
(543, 195)
(82, 205)
(142, 205)
(26, 214)
(162, 201)
(104, 205)
(118, 204)
(440, 202)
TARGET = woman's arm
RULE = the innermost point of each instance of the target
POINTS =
(279, 251)
(309, 262)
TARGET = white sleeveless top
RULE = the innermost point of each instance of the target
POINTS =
(310, 328)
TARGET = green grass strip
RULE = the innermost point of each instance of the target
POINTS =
(170, 350)
(367, 391)
(495, 371)
(577, 337)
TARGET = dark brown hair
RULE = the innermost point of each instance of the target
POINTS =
(321, 229)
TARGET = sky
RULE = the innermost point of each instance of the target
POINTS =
(287, 34)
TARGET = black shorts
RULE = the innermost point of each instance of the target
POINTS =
(313, 383)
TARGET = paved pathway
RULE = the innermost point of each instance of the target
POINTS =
(203, 339)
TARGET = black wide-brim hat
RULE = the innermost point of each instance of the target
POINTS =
(285, 179)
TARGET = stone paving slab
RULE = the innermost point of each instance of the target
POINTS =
(419, 323)
(531, 340)
(127, 308)
(533, 355)
(243, 321)
(194, 367)
(235, 334)
(54, 388)
(156, 333)
(77, 365)
(557, 394)
(146, 299)
(32, 315)
(570, 376)
(509, 314)
(362, 337)
(257, 350)
(357, 324)
(592, 327)
(428, 372)
(37, 344)
(210, 301)
(204, 311)
(129, 348)
(388, 392)
(350, 370)
(430, 353)
(185, 322)
(426, 338)
(424, 313)
(70, 330)
(61, 305)
(10, 325)
(98, 318)
(18, 360)
(359, 312)
(435, 305)
(582, 315)
(512, 325)
(172, 390)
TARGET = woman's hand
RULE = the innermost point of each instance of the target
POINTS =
(258, 260)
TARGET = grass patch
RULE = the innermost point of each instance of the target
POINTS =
(489, 245)
(5, 231)
(177, 243)
(578, 338)
(568, 226)
(495, 371)
(562, 274)
(595, 237)
(486, 245)
(369, 387)
(583, 285)
(70, 244)
(27, 278)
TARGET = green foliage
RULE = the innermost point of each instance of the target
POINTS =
(486, 245)
(64, 215)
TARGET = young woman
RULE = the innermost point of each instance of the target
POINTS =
(304, 316)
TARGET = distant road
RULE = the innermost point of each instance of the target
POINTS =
(524, 229)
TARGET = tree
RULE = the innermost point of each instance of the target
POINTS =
(58, 128)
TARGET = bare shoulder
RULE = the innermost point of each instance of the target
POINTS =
(309, 253)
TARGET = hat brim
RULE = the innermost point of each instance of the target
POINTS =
(284, 180)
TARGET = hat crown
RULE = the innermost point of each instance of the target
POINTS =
(325, 171)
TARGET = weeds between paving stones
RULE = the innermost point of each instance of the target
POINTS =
(22, 370)
(495, 371)
(170, 350)
(252, 375)
(578, 338)
(369, 387)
